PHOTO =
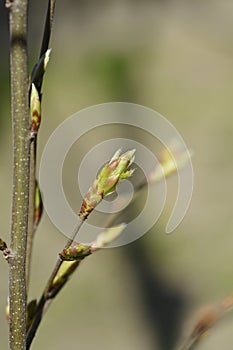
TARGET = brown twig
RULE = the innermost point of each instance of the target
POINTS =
(207, 318)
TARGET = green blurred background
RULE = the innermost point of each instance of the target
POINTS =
(174, 56)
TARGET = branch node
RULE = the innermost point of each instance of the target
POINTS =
(9, 254)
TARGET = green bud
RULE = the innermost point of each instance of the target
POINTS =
(65, 271)
(114, 171)
(75, 252)
(38, 206)
(35, 110)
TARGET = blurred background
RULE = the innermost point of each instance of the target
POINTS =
(176, 57)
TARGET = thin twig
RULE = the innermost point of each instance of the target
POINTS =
(59, 261)
(48, 27)
(19, 223)
(49, 291)
(207, 318)
(33, 146)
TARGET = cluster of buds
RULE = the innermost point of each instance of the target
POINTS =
(105, 183)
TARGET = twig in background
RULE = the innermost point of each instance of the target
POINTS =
(207, 317)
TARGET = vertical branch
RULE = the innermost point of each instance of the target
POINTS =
(20, 120)
(37, 79)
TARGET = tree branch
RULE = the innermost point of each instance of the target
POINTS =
(20, 123)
